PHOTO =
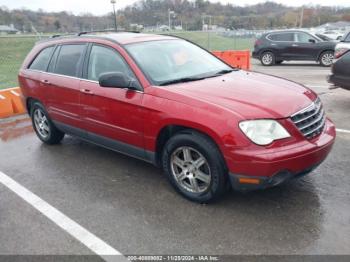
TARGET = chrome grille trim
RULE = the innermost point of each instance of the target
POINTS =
(311, 120)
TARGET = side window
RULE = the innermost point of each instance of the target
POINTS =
(304, 38)
(69, 59)
(284, 37)
(103, 60)
(41, 60)
(347, 39)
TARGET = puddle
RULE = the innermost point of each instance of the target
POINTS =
(12, 128)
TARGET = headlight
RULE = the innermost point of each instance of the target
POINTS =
(263, 132)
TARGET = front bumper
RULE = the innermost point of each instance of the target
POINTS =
(255, 55)
(338, 81)
(271, 167)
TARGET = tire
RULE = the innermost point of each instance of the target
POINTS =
(43, 126)
(326, 58)
(267, 59)
(279, 62)
(195, 167)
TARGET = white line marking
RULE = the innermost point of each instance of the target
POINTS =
(14, 92)
(91, 241)
(343, 131)
(2, 97)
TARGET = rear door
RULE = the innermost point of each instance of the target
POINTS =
(281, 43)
(112, 116)
(63, 77)
(32, 76)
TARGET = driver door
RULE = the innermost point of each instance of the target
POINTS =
(112, 116)
(305, 46)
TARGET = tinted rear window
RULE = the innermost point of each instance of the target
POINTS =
(282, 37)
(42, 59)
(69, 60)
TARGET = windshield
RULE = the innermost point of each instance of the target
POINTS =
(172, 61)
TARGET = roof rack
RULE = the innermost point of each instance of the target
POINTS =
(106, 31)
(58, 35)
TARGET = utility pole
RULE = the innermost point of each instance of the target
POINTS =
(170, 13)
(301, 17)
(115, 15)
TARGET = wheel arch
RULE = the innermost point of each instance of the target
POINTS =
(169, 130)
(29, 103)
(323, 51)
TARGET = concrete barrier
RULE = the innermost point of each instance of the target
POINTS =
(11, 102)
(239, 59)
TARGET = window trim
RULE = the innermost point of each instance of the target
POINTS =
(38, 53)
(276, 33)
(87, 60)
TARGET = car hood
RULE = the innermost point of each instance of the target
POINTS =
(249, 94)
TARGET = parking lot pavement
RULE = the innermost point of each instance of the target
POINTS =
(130, 206)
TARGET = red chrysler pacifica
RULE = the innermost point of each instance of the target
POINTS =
(169, 102)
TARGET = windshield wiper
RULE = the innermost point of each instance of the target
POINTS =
(224, 71)
(189, 79)
(181, 80)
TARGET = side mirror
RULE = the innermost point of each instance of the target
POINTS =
(116, 80)
(313, 41)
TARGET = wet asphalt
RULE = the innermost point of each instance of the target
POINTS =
(129, 204)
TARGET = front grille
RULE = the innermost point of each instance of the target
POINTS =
(311, 120)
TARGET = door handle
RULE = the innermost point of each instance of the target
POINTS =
(295, 45)
(86, 91)
(46, 82)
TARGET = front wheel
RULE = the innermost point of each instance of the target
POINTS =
(326, 58)
(194, 166)
(267, 59)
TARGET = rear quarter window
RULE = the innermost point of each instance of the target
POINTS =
(41, 61)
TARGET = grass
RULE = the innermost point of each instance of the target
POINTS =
(213, 41)
(13, 50)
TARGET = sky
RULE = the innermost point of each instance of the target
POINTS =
(100, 7)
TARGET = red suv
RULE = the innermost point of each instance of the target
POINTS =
(171, 103)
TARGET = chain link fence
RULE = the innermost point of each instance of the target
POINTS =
(14, 48)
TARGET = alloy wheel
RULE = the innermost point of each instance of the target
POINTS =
(267, 59)
(327, 59)
(41, 123)
(190, 169)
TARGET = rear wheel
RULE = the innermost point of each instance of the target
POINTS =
(326, 58)
(43, 126)
(194, 167)
(267, 59)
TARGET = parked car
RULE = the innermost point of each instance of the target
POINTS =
(343, 46)
(278, 46)
(171, 103)
(341, 66)
(325, 38)
(333, 34)
(341, 72)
